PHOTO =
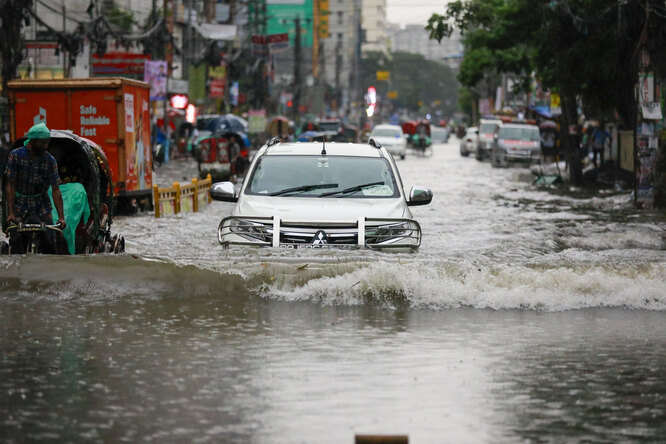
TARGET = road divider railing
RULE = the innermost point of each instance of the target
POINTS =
(190, 197)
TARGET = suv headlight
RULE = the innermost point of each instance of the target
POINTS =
(390, 233)
(251, 230)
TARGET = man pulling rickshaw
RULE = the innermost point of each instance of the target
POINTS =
(30, 172)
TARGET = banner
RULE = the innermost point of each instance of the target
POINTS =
(155, 75)
(278, 42)
(123, 64)
(234, 91)
(256, 121)
(216, 88)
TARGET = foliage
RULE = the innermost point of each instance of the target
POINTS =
(124, 20)
(583, 48)
(13, 14)
(421, 84)
(466, 99)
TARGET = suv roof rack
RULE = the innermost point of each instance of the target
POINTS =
(274, 141)
(373, 143)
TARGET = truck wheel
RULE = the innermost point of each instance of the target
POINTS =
(494, 159)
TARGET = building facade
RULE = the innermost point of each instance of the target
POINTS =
(374, 25)
(415, 39)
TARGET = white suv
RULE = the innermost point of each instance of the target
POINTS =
(321, 195)
(392, 138)
(516, 142)
(487, 130)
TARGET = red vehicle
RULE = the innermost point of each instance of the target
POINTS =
(112, 112)
(224, 151)
(409, 128)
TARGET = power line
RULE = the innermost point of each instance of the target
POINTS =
(59, 12)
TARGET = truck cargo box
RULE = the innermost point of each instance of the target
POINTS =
(113, 112)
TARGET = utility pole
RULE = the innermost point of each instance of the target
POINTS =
(322, 51)
(168, 56)
(315, 39)
(338, 63)
(64, 29)
(297, 67)
(356, 95)
(265, 83)
(188, 48)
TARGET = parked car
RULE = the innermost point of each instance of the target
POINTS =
(439, 134)
(305, 195)
(516, 142)
(392, 138)
(487, 130)
(469, 141)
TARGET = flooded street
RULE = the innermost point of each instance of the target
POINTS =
(526, 315)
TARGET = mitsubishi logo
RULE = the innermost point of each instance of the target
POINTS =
(320, 238)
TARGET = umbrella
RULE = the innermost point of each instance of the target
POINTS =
(227, 123)
(548, 124)
(309, 136)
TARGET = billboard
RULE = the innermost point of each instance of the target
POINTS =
(155, 75)
(281, 19)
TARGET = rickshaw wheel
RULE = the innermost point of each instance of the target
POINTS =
(118, 244)
(4, 247)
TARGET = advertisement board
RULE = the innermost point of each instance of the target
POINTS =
(156, 76)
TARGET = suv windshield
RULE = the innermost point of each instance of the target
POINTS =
(329, 126)
(514, 133)
(314, 176)
(487, 128)
(386, 132)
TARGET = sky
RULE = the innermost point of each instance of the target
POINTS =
(408, 12)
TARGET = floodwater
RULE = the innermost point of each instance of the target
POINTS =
(527, 315)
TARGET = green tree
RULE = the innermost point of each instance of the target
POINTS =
(422, 85)
(124, 20)
(582, 49)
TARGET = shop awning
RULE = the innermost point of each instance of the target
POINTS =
(213, 31)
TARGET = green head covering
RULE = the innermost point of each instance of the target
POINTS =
(39, 131)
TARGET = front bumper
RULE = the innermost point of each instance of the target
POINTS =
(373, 233)
(520, 154)
(484, 147)
(395, 149)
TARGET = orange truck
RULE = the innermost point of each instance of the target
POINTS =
(113, 112)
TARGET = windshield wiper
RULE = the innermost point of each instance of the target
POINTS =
(304, 188)
(353, 189)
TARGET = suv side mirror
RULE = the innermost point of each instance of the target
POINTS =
(419, 195)
(223, 191)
